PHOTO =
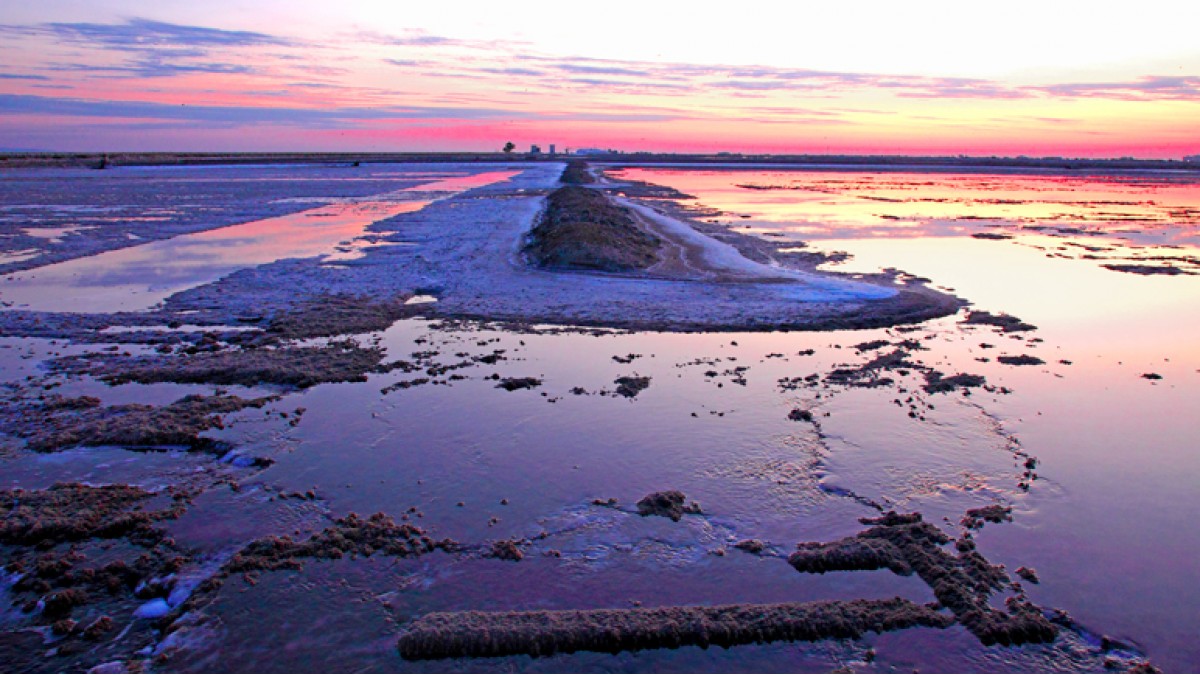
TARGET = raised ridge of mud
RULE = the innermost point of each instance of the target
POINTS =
(581, 229)
(542, 633)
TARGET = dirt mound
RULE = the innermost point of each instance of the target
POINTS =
(542, 633)
(582, 230)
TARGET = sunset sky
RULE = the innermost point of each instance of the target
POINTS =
(980, 78)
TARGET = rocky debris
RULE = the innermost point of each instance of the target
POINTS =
(1005, 322)
(582, 230)
(871, 346)
(991, 235)
(937, 383)
(630, 386)
(1028, 574)
(515, 383)
(61, 423)
(800, 415)
(300, 367)
(1151, 376)
(506, 549)
(755, 546)
(352, 535)
(669, 504)
(962, 583)
(542, 633)
(1021, 360)
(993, 513)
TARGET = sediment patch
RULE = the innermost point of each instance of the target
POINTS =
(444, 635)
(343, 361)
(60, 423)
(352, 535)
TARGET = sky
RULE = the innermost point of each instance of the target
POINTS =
(1040, 78)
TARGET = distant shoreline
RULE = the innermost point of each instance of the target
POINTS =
(798, 162)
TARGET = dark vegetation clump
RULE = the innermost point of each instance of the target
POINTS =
(338, 315)
(298, 367)
(442, 635)
(962, 583)
(937, 383)
(755, 546)
(582, 230)
(669, 504)
(506, 549)
(515, 383)
(993, 513)
(800, 415)
(630, 386)
(352, 535)
(869, 374)
(67, 422)
(871, 346)
(71, 512)
(576, 173)
(1005, 322)
(1022, 360)
(1146, 270)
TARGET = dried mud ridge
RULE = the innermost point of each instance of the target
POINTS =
(962, 583)
(543, 633)
(580, 229)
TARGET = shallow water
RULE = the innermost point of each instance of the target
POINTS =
(1107, 523)
(140, 277)
(1116, 532)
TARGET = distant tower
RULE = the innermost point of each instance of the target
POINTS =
(552, 149)
(535, 149)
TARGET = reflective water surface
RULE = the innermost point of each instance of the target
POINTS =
(1107, 522)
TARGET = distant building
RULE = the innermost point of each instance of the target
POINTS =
(535, 149)
(591, 151)
(1192, 158)
(552, 149)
